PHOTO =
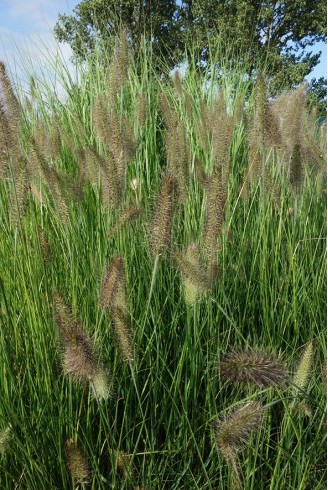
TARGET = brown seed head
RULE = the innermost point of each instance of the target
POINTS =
(79, 360)
(77, 463)
(112, 293)
(123, 334)
(161, 226)
(234, 431)
(253, 367)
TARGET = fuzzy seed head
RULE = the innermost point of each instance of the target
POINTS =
(123, 334)
(112, 293)
(253, 367)
(235, 431)
(303, 370)
(134, 184)
(177, 82)
(161, 226)
(141, 110)
(100, 385)
(4, 439)
(215, 211)
(123, 461)
(296, 167)
(44, 246)
(9, 96)
(77, 463)
(78, 359)
(127, 216)
(195, 279)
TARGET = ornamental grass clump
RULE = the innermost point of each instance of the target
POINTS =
(252, 367)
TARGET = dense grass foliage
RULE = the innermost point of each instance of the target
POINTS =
(163, 284)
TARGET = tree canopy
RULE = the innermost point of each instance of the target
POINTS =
(279, 33)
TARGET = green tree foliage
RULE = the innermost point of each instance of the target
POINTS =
(318, 95)
(277, 33)
(92, 20)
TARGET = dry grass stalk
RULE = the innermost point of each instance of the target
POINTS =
(253, 367)
(90, 164)
(77, 463)
(55, 147)
(58, 185)
(178, 154)
(48, 139)
(161, 225)
(313, 152)
(41, 137)
(292, 117)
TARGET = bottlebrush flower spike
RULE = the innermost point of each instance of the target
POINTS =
(253, 367)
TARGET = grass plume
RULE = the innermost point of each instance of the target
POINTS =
(253, 367)
(304, 366)
(77, 463)
(78, 357)
(234, 432)
(161, 225)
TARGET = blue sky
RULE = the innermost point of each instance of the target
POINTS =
(26, 31)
